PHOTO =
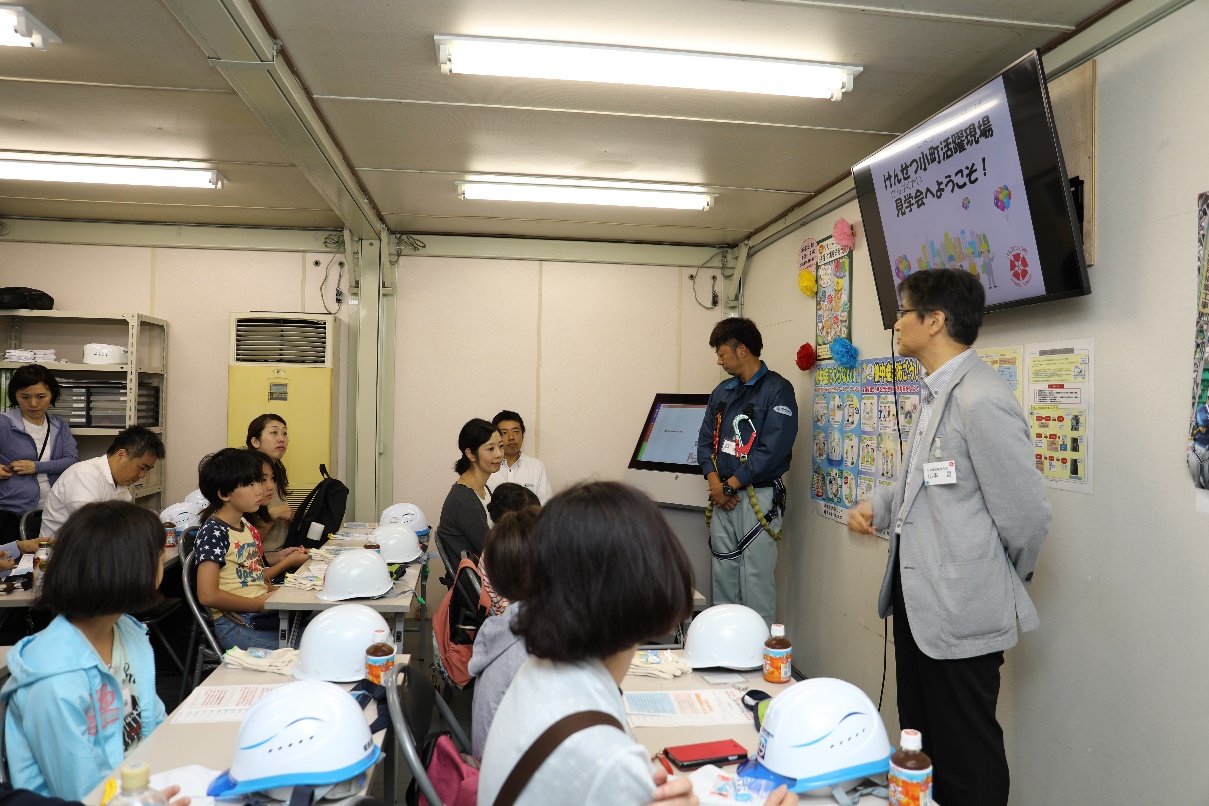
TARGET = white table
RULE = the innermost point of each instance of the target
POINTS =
(211, 744)
(655, 739)
(25, 598)
(286, 600)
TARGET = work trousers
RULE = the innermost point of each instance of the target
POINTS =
(748, 579)
(952, 703)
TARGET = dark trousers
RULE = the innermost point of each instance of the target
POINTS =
(952, 703)
(10, 527)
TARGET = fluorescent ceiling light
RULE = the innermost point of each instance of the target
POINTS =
(20, 29)
(582, 191)
(106, 171)
(569, 61)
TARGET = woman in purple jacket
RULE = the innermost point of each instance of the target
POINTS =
(35, 448)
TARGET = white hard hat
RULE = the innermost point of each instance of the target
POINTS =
(399, 543)
(355, 574)
(185, 516)
(304, 733)
(729, 635)
(408, 515)
(197, 499)
(334, 643)
(819, 733)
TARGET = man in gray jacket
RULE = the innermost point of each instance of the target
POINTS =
(967, 520)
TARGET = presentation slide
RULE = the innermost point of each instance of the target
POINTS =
(671, 435)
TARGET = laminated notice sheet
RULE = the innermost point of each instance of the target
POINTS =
(220, 703)
(671, 709)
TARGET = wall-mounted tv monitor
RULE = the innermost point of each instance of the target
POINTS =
(980, 186)
(668, 441)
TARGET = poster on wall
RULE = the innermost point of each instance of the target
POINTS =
(887, 387)
(1061, 410)
(954, 198)
(1197, 452)
(833, 304)
(1008, 362)
(835, 432)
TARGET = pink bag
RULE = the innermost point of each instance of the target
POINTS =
(453, 775)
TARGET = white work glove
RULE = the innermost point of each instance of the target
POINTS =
(279, 661)
(652, 663)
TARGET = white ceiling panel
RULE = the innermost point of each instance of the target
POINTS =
(128, 80)
(563, 229)
(155, 212)
(132, 42)
(432, 198)
(562, 144)
(74, 119)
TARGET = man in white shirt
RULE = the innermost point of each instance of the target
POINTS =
(517, 467)
(130, 457)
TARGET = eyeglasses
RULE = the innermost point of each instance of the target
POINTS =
(901, 311)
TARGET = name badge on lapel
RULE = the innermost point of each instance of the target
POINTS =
(728, 446)
(936, 473)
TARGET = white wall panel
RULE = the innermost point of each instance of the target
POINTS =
(100, 279)
(465, 346)
(1120, 583)
(609, 343)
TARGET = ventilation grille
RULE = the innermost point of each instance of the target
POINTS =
(281, 341)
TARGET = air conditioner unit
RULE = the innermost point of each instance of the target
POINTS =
(285, 363)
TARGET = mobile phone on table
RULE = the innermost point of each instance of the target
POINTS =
(691, 756)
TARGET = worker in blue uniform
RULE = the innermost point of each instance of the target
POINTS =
(744, 447)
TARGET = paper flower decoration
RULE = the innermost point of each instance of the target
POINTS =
(807, 283)
(843, 234)
(805, 357)
(845, 353)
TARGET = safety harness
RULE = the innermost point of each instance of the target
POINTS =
(742, 449)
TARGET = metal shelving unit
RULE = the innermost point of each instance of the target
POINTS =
(67, 332)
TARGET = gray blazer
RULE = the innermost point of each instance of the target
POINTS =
(966, 547)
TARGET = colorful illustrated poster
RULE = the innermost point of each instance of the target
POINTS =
(1009, 362)
(1197, 452)
(1060, 411)
(951, 195)
(833, 304)
(836, 432)
(883, 435)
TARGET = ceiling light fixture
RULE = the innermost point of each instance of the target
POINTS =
(106, 171)
(569, 61)
(585, 191)
(20, 29)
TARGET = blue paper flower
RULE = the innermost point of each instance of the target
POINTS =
(844, 352)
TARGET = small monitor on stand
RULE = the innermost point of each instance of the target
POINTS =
(664, 462)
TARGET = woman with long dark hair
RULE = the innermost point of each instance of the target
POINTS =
(268, 434)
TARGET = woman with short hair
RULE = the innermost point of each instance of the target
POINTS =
(35, 448)
(607, 573)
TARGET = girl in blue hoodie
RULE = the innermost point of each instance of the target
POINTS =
(81, 694)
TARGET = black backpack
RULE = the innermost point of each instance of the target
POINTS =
(325, 504)
(19, 298)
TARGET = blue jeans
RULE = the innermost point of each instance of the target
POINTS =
(237, 636)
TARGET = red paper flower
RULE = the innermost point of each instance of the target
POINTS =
(805, 357)
(843, 234)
